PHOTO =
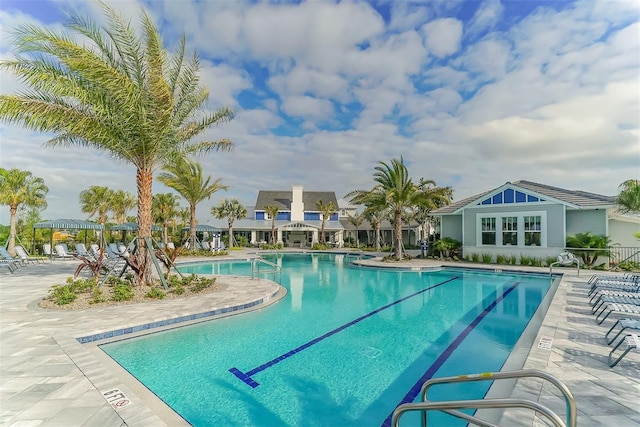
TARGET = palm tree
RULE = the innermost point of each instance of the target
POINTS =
(356, 220)
(232, 210)
(96, 200)
(121, 203)
(428, 198)
(272, 211)
(20, 188)
(186, 178)
(394, 191)
(375, 208)
(122, 94)
(165, 209)
(629, 197)
(594, 245)
(326, 210)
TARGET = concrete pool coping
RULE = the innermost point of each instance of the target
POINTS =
(48, 378)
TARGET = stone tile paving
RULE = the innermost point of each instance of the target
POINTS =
(47, 378)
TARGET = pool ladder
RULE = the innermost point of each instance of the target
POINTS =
(451, 406)
(272, 268)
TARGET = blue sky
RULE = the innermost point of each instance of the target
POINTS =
(471, 93)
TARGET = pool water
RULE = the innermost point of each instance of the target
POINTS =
(343, 348)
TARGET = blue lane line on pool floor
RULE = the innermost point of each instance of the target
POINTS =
(246, 376)
(415, 390)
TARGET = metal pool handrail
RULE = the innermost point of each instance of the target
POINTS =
(255, 268)
(450, 406)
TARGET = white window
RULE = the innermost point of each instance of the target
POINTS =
(510, 230)
(522, 229)
(532, 231)
(488, 231)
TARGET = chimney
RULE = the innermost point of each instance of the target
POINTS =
(297, 205)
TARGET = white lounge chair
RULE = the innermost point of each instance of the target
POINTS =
(61, 252)
(25, 257)
(631, 342)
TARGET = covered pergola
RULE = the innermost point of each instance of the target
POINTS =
(66, 224)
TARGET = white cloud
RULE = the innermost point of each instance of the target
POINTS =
(307, 107)
(486, 17)
(442, 36)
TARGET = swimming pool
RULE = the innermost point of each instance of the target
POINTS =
(345, 347)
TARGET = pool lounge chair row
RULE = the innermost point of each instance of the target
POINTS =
(619, 297)
(22, 258)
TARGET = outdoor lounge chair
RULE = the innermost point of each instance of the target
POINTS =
(25, 257)
(616, 285)
(624, 325)
(81, 251)
(612, 307)
(11, 265)
(610, 292)
(622, 277)
(632, 298)
(632, 342)
(61, 252)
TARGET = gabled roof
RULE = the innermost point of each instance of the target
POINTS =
(572, 198)
(282, 199)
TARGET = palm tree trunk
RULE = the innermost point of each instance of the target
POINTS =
(378, 237)
(12, 229)
(192, 227)
(230, 234)
(144, 181)
(398, 225)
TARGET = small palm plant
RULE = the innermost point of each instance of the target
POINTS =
(594, 246)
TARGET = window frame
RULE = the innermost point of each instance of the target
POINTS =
(520, 228)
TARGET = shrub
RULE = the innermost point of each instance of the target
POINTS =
(475, 257)
(501, 259)
(525, 260)
(81, 285)
(63, 294)
(202, 283)
(486, 258)
(122, 292)
(550, 260)
(536, 262)
(178, 289)
(512, 259)
(155, 293)
(97, 296)
(320, 247)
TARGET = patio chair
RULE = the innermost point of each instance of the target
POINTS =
(94, 249)
(5, 255)
(610, 292)
(25, 257)
(62, 253)
(624, 324)
(620, 277)
(46, 249)
(632, 298)
(81, 251)
(612, 307)
(171, 246)
(11, 265)
(631, 342)
(619, 285)
(205, 246)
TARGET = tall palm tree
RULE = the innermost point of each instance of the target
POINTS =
(375, 208)
(165, 209)
(629, 197)
(428, 198)
(121, 203)
(20, 188)
(96, 200)
(272, 211)
(232, 210)
(122, 94)
(186, 178)
(326, 210)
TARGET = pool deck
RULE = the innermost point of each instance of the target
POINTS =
(48, 378)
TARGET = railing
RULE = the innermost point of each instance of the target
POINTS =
(274, 268)
(613, 256)
(451, 407)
